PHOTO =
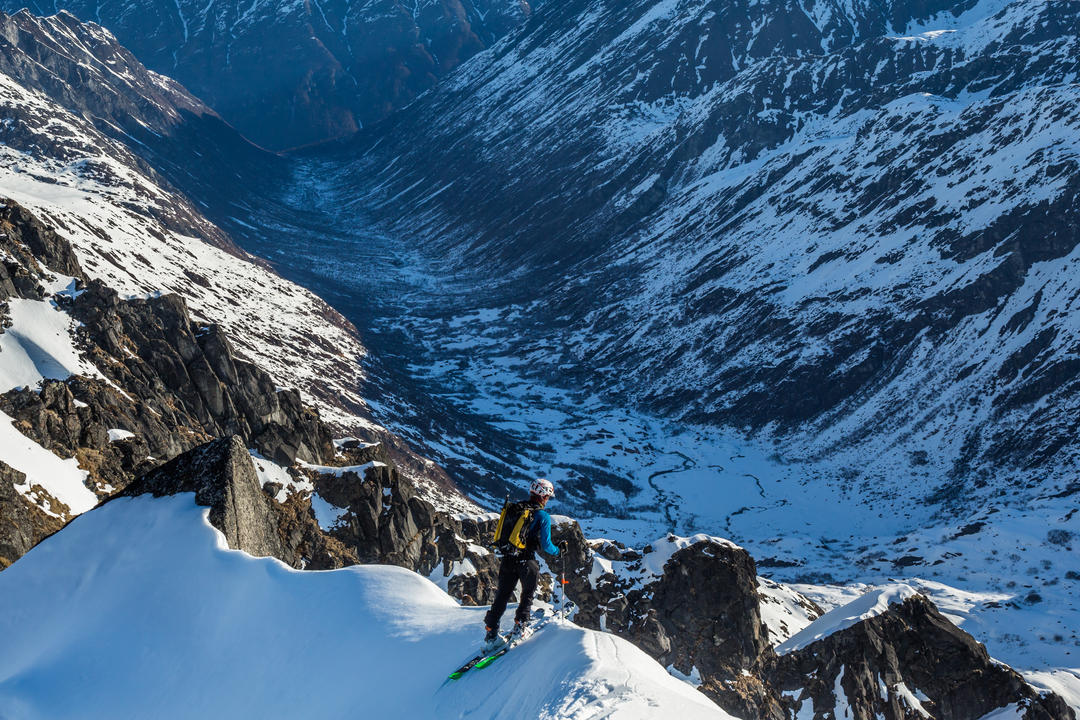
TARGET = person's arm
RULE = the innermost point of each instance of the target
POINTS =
(545, 535)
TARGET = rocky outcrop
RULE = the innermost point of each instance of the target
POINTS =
(154, 350)
(72, 419)
(691, 603)
(222, 477)
(908, 661)
(384, 520)
(167, 385)
(23, 523)
(691, 607)
(694, 605)
(30, 250)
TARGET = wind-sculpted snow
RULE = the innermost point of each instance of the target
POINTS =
(202, 630)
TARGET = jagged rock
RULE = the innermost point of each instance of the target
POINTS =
(221, 475)
(28, 241)
(306, 545)
(191, 374)
(702, 612)
(386, 521)
(22, 523)
(914, 644)
(72, 418)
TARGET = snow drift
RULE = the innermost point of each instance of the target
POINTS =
(139, 609)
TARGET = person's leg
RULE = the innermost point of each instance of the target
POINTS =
(508, 578)
(530, 574)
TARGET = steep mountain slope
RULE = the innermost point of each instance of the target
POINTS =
(218, 633)
(182, 143)
(862, 247)
(289, 73)
(129, 226)
(156, 332)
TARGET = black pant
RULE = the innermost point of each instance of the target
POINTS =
(527, 571)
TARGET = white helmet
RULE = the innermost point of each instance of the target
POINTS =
(541, 487)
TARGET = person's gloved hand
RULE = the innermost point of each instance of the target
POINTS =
(562, 547)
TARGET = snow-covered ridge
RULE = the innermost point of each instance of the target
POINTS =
(870, 605)
(156, 605)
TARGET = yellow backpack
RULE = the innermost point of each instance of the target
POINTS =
(511, 534)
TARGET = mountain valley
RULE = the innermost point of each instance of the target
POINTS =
(796, 277)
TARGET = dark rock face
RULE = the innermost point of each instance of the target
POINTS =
(291, 74)
(28, 245)
(72, 419)
(914, 645)
(153, 349)
(222, 477)
(24, 524)
(386, 521)
(702, 612)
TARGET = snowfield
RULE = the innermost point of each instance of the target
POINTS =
(138, 609)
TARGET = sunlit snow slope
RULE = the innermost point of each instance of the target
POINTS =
(138, 609)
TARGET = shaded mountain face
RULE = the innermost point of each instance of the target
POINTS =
(851, 227)
(158, 128)
(127, 166)
(292, 73)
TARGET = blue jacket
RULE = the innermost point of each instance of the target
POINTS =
(541, 530)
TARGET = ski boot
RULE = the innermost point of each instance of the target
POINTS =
(491, 639)
(519, 633)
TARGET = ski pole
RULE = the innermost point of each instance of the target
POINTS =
(562, 578)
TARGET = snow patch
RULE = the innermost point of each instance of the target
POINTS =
(326, 514)
(270, 472)
(360, 470)
(870, 605)
(63, 479)
(38, 345)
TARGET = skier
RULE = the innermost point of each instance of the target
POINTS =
(520, 565)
